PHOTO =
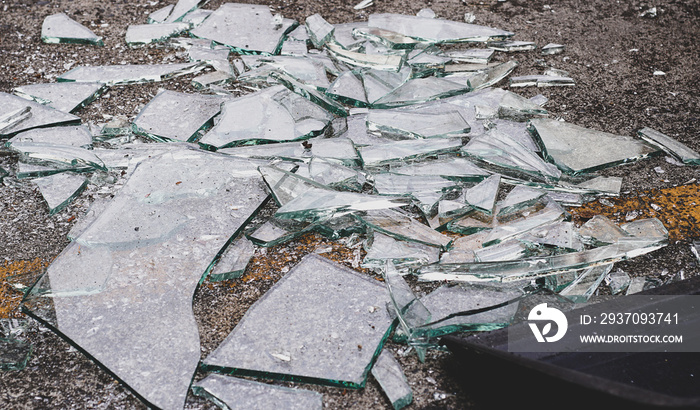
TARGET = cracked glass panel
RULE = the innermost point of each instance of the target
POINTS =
(77, 136)
(402, 124)
(583, 287)
(140, 34)
(14, 354)
(453, 168)
(519, 198)
(18, 114)
(66, 97)
(396, 152)
(483, 195)
(510, 46)
(334, 349)
(553, 48)
(403, 227)
(62, 155)
(403, 254)
(150, 272)
(420, 90)
(194, 113)
(348, 89)
(388, 373)
(129, 74)
(600, 230)
(60, 189)
(234, 393)
(233, 261)
(59, 28)
(181, 8)
(435, 30)
(670, 145)
(245, 28)
(319, 30)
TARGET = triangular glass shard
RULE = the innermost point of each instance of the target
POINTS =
(66, 97)
(59, 28)
(617, 281)
(402, 124)
(491, 76)
(129, 74)
(148, 277)
(181, 8)
(452, 168)
(245, 28)
(63, 155)
(340, 149)
(600, 230)
(541, 81)
(196, 17)
(669, 145)
(550, 214)
(471, 223)
(60, 189)
(18, 114)
(14, 354)
(463, 248)
(436, 30)
(379, 83)
(140, 34)
(560, 235)
(483, 196)
(518, 198)
(308, 70)
(511, 46)
(376, 155)
(310, 92)
(233, 261)
(194, 113)
(271, 234)
(553, 48)
(387, 371)
(348, 89)
(313, 350)
(609, 185)
(77, 136)
(343, 35)
(160, 15)
(420, 90)
(403, 254)
(647, 228)
(403, 227)
(472, 55)
(235, 393)
(335, 175)
(320, 31)
(517, 108)
(581, 289)
(577, 150)
(509, 250)
(388, 62)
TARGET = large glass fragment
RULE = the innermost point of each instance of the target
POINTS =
(343, 328)
(420, 90)
(435, 30)
(583, 287)
(576, 149)
(160, 15)
(140, 324)
(233, 261)
(348, 89)
(60, 189)
(550, 214)
(245, 28)
(77, 136)
(483, 195)
(541, 81)
(403, 227)
(387, 371)
(332, 174)
(357, 131)
(308, 70)
(403, 254)
(129, 74)
(670, 145)
(320, 31)
(18, 114)
(398, 151)
(181, 8)
(518, 198)
(389, 62)
(309, 92)
(63, 155)
(59, 28)
(140, 34)
(194, 113)
(617, 281)
(14, 354)
(452, 168)
(66, 97)
(600, 230)
(234, 393)
(402, 124)
(388, 38)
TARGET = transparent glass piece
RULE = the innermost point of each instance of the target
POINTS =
(63, 155)
(140, 325)
(335, 175)
(129, 74)
(510, 46)
(636, 285)
(452, 168)
(357, 131)
(539, 99)
(566, 198)
(449, 210)
(483, 195)
(60, 189)
(59, 28)
(140, 34)
(519, 198)
(490, 76)
(308, 70)
(393, 152)
(414, 124)
(18, 114)
(348, 89)
(387, 371)
(618, 282)
(550, 214)
(234, 393)
(343, 35)
(310, 93)
(98, 205)
(555, 72)
(435, 30)
(77, 136)
(14, 354)
(553, 48)
(403, 227)
(471, 223)
(406, 306)
(271, 234)
(463, 248)
(290, 151)
(609, 185)
(299, 34)
(181, 8)
(196, 17)
(670, 145)
(343, 330)
(294, 48)
(648, 228)
(426, 189)
(403, 254)
(66, 97)
(389, 62)
(319, 30)
(517, 108)
(581, 289)
(388, 38)
(245, 28)
(508, 250)
(201, 53)
(341, 149)
(25, 171)
(420, 90)
(160, 15)
(233, 261)
(561, 235)
(194, 113)
(210, 79)
(379, 83)
(540, 81)
(472, 55)
(600, 230)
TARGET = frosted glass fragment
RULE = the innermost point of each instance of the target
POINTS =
(472, 55)
(452, 168)
(77, 136)
(14, 354)
(334, 349)
(402, 124)
(140, 34)
(194, 113)
(420, 90)
(670, 145)
(66, 97)
(388, 38)
(618, 282)
(245, 28)
(60, 189)
(541, 81)
(348, 89)
(181, 8)
(518, 198)
(387, 371)
(553, 48)
(403, 254)
(233, 261)
(310, 92)
(403, 227)
(389, 62)
(436, 30)
(382, 154)
(63, 155)
(19, 114)
(510, 46)
(59, 28)
(129, 74)
(240, 394)
(581, 289)
(160, 15)
(483, 195)
(320, 31)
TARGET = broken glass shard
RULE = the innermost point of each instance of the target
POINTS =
(389, 62)
(518, 198)
(33, 171)
(452, 168)
(309, 92)
(14, 354)
(19, 114)
(290, 151)
(272, 234)
(403, 227)
(490, 76)
(245, 28)
(294, 48)
(233, 261)
(66, 97)
(343, 35)
(59, 28)
(160, 15)
(333, 349)
(211, 79)
(551, 213)
(636, 285)
(140, 34)
(340, 149)
(379, 83)
(129, 74)
(393, 152)
(541, 81)
(618, 282)
(648, 228)
(583, 287)
(608, 185)
(463, 248)
(60, 189)
(600, 230)
(357, 131)
(388, 38)
(539, 99)
(14, 117)
(510, 46)
(403, 254)
(553, 48)
(387, 371)
(560, 235)
(181, 8)
(435, 30)
(402, 124)
(77, 136)
(234, 393)
(473, 55)
(348, 89)
(509, 250)
(63, 155)
(335, 175)
(150, 271)
(196, 17)
(471, 223)
(420, 90)
(194, 111)
(320, 31)
(483, 195)
(426, 189)
(308, 70)
(670, 145)
(201, 53)
(517, 108)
